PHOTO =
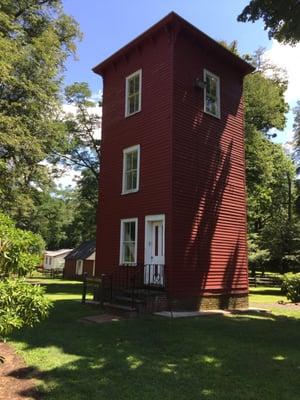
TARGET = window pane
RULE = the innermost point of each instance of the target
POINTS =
(134, 179)
(136, 83)
(131, 105)
(128, 161)
(131, 86)
(212, 86)
(129, 250)
(129, 231)
(134, 157)
(128, 180)
(212, 95)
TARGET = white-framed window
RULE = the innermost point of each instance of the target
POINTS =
(133, 93)
(212, 94)
(79, 267)
(131, 169)
(128, 241)
(49, 260)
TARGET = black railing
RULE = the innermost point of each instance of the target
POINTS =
(132, 279)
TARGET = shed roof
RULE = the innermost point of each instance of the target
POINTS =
(56, 253)
(174, 20)
(83, 251)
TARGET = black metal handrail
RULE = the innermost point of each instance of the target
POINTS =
(133, 278)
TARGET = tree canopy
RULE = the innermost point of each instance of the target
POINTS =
(36, 37)
(281, 18)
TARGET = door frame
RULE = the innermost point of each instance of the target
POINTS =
(148, 219)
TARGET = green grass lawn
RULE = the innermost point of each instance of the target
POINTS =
(242, 357)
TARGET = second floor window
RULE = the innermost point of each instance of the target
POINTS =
(133, 93)
(131, 169)
(212, 94)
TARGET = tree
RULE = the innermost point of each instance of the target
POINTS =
(36, 37)
(85, 202)
(296, 128)
(80, 148)
(281, 18)
(21, 304)
(270, 172)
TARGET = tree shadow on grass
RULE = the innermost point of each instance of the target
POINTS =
(241, 357)
(267, 292)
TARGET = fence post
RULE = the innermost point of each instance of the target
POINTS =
(102, 292)
(84, 288)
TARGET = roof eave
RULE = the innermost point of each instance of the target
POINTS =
(172, 17)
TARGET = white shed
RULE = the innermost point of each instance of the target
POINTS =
(55, 259)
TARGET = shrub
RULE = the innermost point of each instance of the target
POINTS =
(21, 304)
(291, 286)
(20, 250)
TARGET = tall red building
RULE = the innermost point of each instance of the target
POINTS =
(172, 182)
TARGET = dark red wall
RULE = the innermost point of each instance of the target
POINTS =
(70, 268)
(192, 166)
(151, 129)
(209, 211)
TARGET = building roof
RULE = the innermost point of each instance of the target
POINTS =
(83, 251)
(56, 253)
(173, 20)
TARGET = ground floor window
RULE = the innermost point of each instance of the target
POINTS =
(128, 241)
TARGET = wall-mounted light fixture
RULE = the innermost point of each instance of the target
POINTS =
(199, 83)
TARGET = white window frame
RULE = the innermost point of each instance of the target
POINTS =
(127, 113)
(205, 74)
(121, 258)
(125, 152)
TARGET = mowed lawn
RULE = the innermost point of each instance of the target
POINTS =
(238, 357)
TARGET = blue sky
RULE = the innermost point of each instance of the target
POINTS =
(108, 25)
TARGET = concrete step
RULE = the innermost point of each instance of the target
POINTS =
(120, 309)
(127, 299)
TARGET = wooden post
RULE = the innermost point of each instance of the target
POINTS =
(84, 288)
(102, 292)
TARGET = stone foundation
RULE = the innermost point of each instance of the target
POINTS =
(211, 302)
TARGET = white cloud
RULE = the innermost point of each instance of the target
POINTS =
(287, 57)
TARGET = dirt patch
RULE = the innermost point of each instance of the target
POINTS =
(282, 305)
(102, 318)
(15, 378)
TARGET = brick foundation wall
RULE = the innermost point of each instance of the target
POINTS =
(223, 302)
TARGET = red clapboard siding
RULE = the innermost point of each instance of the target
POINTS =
(192, 166)
(151, 129)
(209, 177)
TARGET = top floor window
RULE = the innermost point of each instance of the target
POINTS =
(133, 93)
(131, 169)
(212, 94)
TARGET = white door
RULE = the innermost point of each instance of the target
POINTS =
(154, 250)
(79, 267)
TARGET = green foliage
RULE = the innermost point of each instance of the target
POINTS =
(270, 172)
(281, 18)
(83, 225)
(257, 256)
(21, 304)
(36, 38)
(80, 147)
(20, 250)
(291, 286)
(265, 106)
